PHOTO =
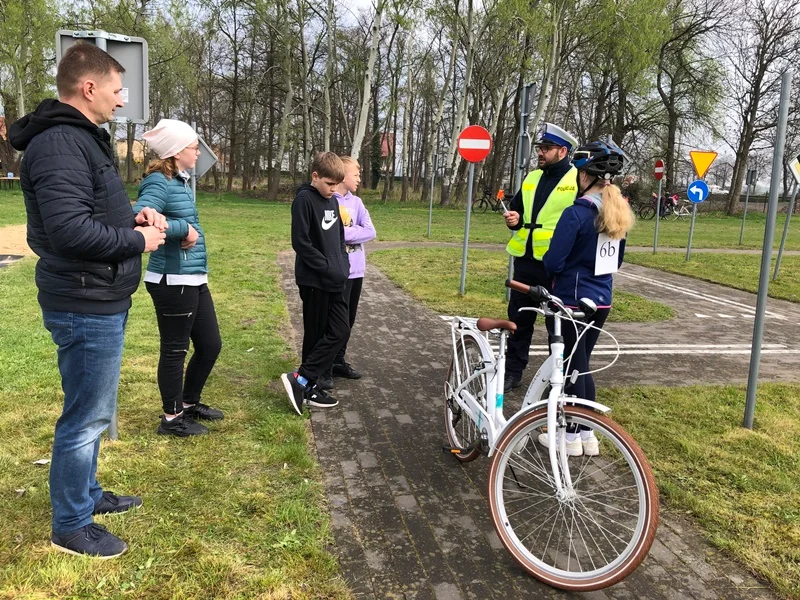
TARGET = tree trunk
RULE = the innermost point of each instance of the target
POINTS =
(129, 153)
(452, 156)
(432, 148)
(361, 127)
(330, 23)
(283, 130)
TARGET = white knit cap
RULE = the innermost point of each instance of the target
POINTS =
(169, 137)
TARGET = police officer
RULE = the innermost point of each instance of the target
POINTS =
(532, 215)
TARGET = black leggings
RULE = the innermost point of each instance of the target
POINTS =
(184, 312)
(584, 386)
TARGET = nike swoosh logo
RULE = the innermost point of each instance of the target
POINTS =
(328, 224)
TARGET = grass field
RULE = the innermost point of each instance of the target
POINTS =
(740, 271)
(236, 514)
(428, 274)
(741, 486)
(241, 512)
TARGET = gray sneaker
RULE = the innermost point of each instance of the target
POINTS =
(92, 540)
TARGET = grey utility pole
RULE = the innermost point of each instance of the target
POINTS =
(766, 253)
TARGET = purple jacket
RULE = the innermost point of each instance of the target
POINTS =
(357, 230)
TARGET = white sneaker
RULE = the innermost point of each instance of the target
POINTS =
(574, 447)
(590, 445)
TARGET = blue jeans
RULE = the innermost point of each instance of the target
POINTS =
(89, 359)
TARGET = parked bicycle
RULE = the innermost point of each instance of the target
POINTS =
(682, 210)
(575, 523)
(487, 201)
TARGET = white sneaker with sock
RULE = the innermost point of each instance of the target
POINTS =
(591, 447)
(574, 446)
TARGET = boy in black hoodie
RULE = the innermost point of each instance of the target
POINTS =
(321, 269)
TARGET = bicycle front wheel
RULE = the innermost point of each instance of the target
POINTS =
(647, 212)
(462, 432)
(586, 539)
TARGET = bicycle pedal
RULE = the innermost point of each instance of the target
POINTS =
(452, 450)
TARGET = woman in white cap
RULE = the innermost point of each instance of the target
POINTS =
(177, 280)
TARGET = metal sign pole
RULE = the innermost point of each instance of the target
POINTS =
(744, 214)
(691, 233)
(658, 216)
(466, 229)
(785, 232)
(766, 253)
(522, 160)
(430, 207)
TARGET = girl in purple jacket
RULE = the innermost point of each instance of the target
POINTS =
(358, 229)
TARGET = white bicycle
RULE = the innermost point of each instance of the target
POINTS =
(575, 523)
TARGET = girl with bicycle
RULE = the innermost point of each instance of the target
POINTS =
(587, 247)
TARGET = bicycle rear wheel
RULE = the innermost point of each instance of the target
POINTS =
(462, 432)
(586, 541)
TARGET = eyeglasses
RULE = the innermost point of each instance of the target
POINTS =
(543, 148)
(195, 148)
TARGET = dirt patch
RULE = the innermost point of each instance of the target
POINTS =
(12, 240)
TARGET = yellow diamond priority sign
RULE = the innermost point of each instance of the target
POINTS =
(702, 159)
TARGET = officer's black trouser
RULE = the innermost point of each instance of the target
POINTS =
(530, 272)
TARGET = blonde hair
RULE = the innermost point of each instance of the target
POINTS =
(166, 166)
(349, 161)
(615, 218)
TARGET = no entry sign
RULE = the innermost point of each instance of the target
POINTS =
(474, 144)
(659, 170)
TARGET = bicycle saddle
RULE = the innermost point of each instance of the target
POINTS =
(485, 324)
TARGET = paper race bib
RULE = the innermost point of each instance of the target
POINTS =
(606, 260)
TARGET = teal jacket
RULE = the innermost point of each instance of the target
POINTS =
(173, 199)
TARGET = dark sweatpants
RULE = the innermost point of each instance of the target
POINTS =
(326, 329)
(352, 294)
(530, 272)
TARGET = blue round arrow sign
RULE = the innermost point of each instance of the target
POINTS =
(697, 191)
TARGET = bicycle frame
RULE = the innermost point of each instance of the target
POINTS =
(491, 422)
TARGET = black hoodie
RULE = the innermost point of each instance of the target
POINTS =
(318, 241)
(80, 220)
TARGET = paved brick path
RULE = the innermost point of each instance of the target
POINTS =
(408, 520)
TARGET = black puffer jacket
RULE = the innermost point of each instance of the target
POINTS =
(80, 220)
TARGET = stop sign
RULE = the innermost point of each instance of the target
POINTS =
(474, 144)
(659, 170)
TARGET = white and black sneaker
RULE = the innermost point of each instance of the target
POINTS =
(295, 390)
(316, 396)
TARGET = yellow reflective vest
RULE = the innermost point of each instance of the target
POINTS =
(560, 198)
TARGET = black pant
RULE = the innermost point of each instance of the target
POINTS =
(530, 272)
(352, 294)
(326, 329)
(584, 385)
(184, 312)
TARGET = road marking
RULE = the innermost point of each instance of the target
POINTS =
(724, 316)
(699, 316)
(695, 294)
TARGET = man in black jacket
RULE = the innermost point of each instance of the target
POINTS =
(82, 227)
(532, 215)
(321, 269)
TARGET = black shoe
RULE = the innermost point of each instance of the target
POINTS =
(346, 370)
(203, 411)
(511, 381)
(325, 381)
(295, 390)
(111, 503)
(182, 426)
(317, 397)
(92, 540)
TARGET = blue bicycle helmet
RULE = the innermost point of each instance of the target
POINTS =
(600, 159)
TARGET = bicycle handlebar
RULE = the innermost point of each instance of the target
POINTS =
(540, 294)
